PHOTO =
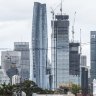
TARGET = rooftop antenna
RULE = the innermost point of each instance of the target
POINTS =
(73, 27)
(61, 7)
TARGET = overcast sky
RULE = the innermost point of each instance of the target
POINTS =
(16, 20)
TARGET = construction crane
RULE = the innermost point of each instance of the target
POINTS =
(53, 10)
(80, 43)
(73, 27)
(61, 7)
(53, 13)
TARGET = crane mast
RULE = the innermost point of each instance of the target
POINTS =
(73, 27)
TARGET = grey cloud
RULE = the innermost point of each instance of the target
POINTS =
(15, 9)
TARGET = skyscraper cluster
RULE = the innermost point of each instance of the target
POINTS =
(67, 65)
(65, 56)
(16, 62)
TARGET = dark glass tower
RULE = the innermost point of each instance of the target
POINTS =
(74, 59)
(93, 54)
(74, 63)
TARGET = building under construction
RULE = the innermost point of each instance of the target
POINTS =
(60, 50)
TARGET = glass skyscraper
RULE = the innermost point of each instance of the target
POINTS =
(23, 48)
(74, 63)
(74, 59)
(39, 44)
(60, 50)
(93, 55)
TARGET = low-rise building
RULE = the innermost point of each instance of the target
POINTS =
(15, 79)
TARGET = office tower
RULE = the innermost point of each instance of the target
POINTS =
(10, 62)
(93, 55)
(74, 63)
(39, 44)
(83, 60)
(84, 81)
(23, 48)
(74, 59)
(60, 50)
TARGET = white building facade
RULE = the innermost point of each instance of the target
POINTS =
(15, 79)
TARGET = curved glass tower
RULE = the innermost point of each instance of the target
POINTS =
(39, 44)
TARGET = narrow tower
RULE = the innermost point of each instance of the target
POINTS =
(39, 44)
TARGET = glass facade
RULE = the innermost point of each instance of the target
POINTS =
(60, 50)
(39, 44)
(3, 77)
(93, 55)
(74, 63)
(74, 59)
(23, 47)
(83, 60)
(10, 62)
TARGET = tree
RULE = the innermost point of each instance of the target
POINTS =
(6, 90)
(63, 89)
(28, 87)
(75, 89)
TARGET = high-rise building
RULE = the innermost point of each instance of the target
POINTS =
(39, 44)
(23, 48)
(74, 59)
(93, 55)
(83, 60)
(84, 81)
(74, 63)
(10, 62)
(60, 50)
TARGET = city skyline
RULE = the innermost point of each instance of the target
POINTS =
(16, 20)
